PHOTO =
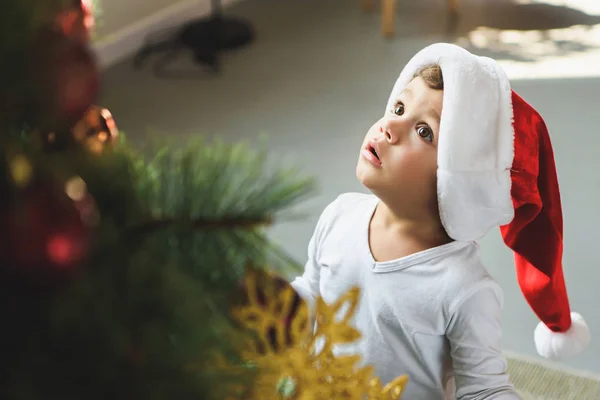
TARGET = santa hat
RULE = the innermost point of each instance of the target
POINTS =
(496, 168)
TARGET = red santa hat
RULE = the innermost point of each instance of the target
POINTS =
(496, 168)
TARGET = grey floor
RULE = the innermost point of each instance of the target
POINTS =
(319, 75)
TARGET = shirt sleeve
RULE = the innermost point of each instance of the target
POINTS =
(307, 285)
(475, 335)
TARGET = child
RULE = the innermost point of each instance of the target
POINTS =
(456, 153)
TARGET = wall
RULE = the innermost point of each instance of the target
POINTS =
(117, 15)
(123, 26)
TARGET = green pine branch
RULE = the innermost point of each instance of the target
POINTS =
(178, 229)
(144, 315)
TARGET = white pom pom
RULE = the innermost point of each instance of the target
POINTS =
(558, 346)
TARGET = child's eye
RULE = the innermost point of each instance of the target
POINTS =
(425, 133)
(399, 109)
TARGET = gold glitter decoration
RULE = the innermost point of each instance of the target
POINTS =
(292, 361)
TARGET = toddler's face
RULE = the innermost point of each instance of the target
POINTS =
(398, 158)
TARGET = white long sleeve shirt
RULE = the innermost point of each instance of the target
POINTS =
(433, 315)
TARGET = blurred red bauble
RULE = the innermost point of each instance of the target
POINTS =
(65, 80)
(48, 230)
(77, 22)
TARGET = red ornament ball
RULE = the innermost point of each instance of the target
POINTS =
(77, 21)
(65, 80)
(62, 250)
(47, 233)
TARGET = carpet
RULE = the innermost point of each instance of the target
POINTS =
(538, 380)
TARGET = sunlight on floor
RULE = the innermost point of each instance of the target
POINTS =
(572, 52)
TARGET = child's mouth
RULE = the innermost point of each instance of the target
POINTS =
(372, 150)
(369, 152)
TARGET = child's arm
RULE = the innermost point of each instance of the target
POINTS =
(307, 284)
(475, 333)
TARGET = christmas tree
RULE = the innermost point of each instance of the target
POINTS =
(130, 275)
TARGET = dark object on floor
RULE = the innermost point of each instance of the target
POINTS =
(206, 38)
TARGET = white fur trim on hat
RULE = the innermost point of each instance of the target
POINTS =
(562, 345)
(475, 145)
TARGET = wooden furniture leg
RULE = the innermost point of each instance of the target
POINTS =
(368, 5)
(388, 17)
(388, 13)
(453, 6)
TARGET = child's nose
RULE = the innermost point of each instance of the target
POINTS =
(392, 130)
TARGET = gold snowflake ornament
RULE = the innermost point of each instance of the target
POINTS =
(294, 363)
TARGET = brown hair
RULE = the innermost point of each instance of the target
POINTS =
(432, 75)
